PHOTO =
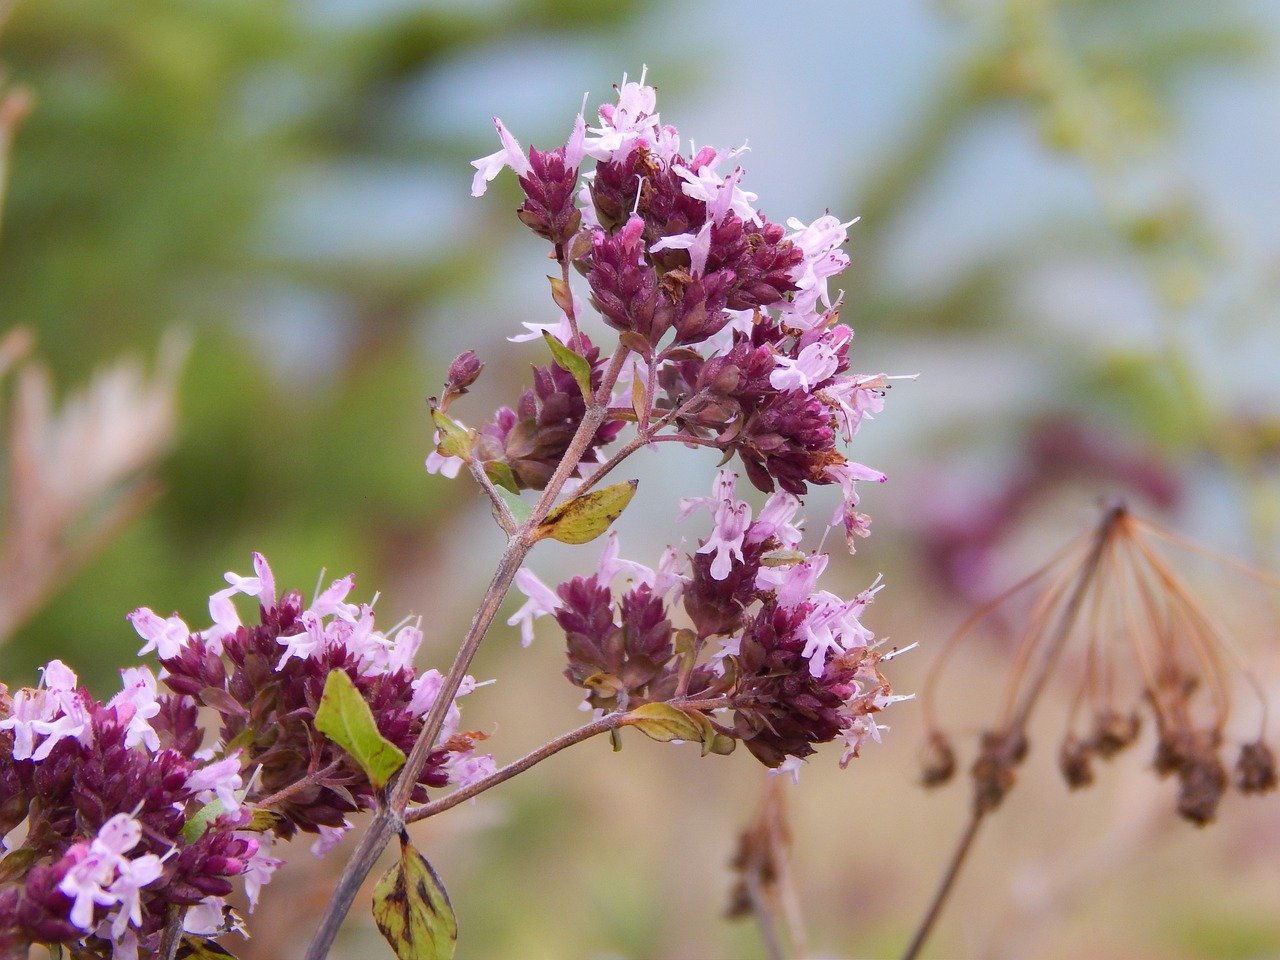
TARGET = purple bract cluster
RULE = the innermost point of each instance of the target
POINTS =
(792, 665)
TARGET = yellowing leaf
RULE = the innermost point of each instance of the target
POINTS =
(345, 718)
(664, 723)
(455, 440)
(584, 518)
(412, 909)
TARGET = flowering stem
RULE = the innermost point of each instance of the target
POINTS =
(645, 434)
(505, 519)
(585, 732)
(570, 313)
(388, 821)
(610, 722)
(284, 794)
(1014, 728)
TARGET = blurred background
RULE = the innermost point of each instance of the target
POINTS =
(1070, 229)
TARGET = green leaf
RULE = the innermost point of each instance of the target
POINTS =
(501, 474)
(722, 745)
(519, 509)
(455, 440)
(584, 518)
(664, 723)
(345, 718)
(194, 828)
(574, 362)
(412, 909)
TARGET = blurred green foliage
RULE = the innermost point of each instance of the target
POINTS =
(148, 190)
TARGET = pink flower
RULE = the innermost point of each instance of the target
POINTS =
(775, 521)
(221, 779)
(329, 838)
(466, 769)
(793, 584)
(332, 600)
(820, 242)
(541, 601)
(610, 565)
(631, 120)
(166, 636)
(102, 876)
(731, 517)
(306, 644)
(438, 463)
(720, 194)
(260, 868)
(511, 155)
(561, 329)
(698, 244)
(206, 917)
(266, 581)
(139, 697)
(816, 363)
(790, 765)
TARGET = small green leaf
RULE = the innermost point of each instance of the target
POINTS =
(574, 362)
(584, 518)
(455, 440)
(194, 828)
(519, 509)
(664, 723)
(345, 718)
(263, 820)
(604, 684)
(501, 474)
(412, 909)
(15, 864)
(722, 745)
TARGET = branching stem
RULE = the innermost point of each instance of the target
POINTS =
(389, 818)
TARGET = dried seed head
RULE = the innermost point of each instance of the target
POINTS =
(1113, 731)
(993, 774)
(1256, 768)
(938, 763)
(1075, 760)
(1203, 781)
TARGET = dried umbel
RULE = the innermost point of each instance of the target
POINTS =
(1148, 647)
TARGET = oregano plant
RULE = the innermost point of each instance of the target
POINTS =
(680, 314)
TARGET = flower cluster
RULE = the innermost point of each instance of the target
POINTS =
(108, 793)
(787, 666)
(728, 334)
(126, 815)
